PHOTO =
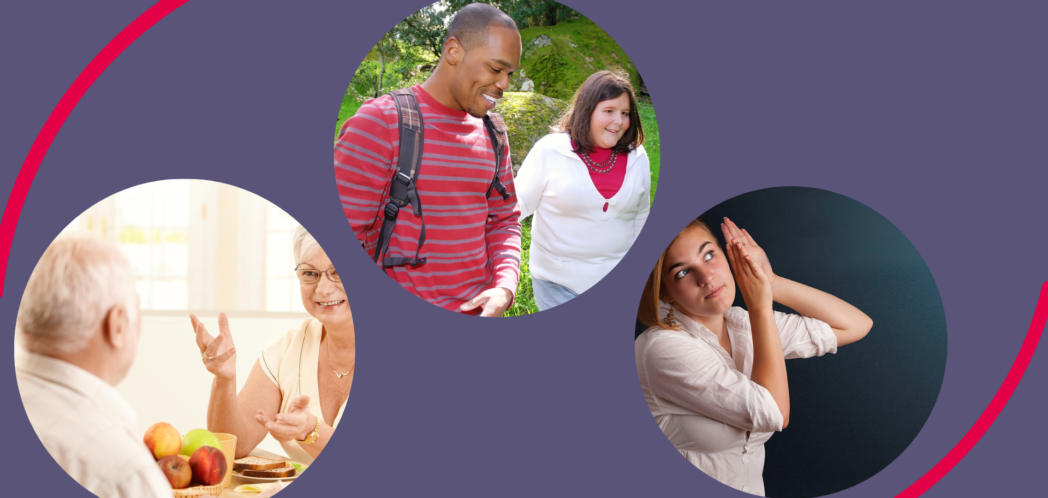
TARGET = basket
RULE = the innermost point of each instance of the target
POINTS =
(199, 490)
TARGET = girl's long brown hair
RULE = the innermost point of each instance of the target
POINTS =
(600, 86)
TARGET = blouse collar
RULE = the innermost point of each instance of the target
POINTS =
(737, 321)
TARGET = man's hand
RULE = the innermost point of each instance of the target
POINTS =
(493, 302)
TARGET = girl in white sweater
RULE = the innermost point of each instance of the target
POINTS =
(588, 186)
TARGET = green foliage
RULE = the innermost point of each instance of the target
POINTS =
(528, 117)
(526, 13)
(651, 141)
(390, 64)
(558, 59)
(524, 302)
(425, 29)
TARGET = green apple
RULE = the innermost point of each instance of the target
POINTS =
(196, 438)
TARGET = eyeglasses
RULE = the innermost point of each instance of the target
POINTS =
(311, 276)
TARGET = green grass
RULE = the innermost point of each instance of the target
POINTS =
(651, 141)
(524, 303)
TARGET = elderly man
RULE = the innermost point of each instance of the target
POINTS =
(79, 326)
(456, 239)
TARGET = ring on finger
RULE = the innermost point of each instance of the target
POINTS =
(208, 357)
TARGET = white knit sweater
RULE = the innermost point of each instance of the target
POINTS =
(574, 242)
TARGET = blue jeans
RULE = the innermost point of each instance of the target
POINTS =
(549, 294)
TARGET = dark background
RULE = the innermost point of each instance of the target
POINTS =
(853, 412)
(930, 113)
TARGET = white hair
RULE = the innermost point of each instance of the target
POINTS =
(304, 245)
(79, 278)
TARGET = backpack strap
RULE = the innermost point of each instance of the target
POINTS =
(500, 141)
(402, 190)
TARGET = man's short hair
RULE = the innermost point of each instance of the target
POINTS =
(470, 25)
(77, 281)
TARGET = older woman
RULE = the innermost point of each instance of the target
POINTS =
(298, 387)
(589, 189)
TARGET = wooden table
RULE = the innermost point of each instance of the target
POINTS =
(229, 493)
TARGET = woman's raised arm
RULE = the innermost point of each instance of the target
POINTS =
(227, 411)
(848, 323)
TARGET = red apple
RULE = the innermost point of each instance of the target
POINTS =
(177, 471)
(209, 465)
(162, 440)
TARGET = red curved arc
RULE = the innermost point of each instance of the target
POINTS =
(989, 415)
(58, 117)
(162, 8)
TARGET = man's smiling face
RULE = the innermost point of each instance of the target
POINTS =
(483, 72)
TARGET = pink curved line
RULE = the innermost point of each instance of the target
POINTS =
(989, 415)
(58, 117)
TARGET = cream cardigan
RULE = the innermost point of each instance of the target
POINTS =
(574, 242)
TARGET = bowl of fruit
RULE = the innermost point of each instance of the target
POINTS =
(193, 464)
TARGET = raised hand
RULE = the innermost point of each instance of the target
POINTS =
(733, 234)
(294, 424)
(749, 277)
(222, 365)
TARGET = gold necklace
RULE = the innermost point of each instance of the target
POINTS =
(332, 367)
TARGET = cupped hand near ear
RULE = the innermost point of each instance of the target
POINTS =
(749, 277)
(733, 234)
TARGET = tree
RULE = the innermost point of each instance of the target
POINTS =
(425, 28)
(526, 13)
(374, 74)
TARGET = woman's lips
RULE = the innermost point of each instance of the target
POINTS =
(331, 304)
(716, 292)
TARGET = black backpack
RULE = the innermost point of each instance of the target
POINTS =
(402, 190)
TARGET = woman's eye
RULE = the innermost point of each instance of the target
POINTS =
(708, 256)
(680, 274)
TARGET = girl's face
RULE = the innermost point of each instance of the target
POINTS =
(610, 120)
(697, 276)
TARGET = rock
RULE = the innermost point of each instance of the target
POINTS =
(559, 58)
(527, 86)
(540, 42)
(528, 117)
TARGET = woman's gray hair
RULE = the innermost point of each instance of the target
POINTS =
(304, 245)
(79, 278)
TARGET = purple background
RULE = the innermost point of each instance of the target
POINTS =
(931, 113)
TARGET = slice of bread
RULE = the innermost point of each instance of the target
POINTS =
(257, 463)
(288, 471)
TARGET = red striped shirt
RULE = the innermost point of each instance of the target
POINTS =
(472, 240)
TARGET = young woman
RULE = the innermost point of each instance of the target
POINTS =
(714, 375)
(589, 189)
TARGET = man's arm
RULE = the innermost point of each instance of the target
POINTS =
(503, 239)
(364, 159)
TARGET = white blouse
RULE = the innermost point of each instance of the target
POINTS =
(574, 242)
(703, 399)
(291, 363)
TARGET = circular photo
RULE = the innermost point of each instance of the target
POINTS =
(794, 274)
(184, 338)
(496, 159)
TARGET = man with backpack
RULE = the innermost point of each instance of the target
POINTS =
(425, 178)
